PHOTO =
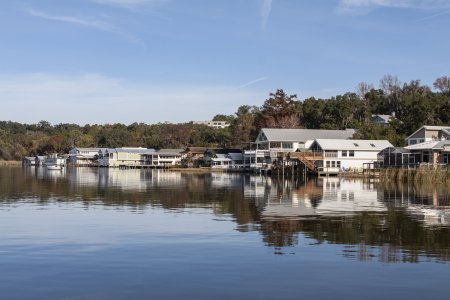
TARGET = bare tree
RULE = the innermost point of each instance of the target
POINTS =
(390, 84)
(362, 89)
(443, 84)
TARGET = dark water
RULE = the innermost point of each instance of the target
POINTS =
(110, 234)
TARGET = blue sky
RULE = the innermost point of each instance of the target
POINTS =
(108, 61)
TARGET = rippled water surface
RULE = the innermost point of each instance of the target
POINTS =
(117, 234)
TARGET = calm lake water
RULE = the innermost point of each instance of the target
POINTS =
(132, 234)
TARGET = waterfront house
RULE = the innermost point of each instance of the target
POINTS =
(348, 155)
(431, 152)
(125, 157)
(396, 157)
(54, 159)
(271, 141)
(83, 156)
(291, 140)
(164, 157)
(193, 156)
(226, 161)
(429, 133)
(40, 159)
(29, 161)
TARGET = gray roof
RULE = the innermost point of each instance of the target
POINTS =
(385, 118)
(170, 151)
(134, 150)
(303, 135)
(87, 149)
(430, 145)
(357, 145)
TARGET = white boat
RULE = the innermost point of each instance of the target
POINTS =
(54, 167)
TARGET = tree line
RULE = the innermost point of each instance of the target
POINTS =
(412, 103)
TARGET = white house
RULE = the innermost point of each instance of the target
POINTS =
(164, 157)
(227, 161)
(214, 124)
(271, 141)
(291, 140)
(124, 157)
(83, 156)
(139, 157)
(54, 159)
(348, 155)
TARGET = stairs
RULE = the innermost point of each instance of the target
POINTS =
(303, 157)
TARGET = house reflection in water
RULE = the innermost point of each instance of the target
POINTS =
(363, 216)
(317, 197)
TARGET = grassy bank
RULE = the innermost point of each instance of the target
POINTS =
(420, 175)
(10, 163)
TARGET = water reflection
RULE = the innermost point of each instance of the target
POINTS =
(390, 223)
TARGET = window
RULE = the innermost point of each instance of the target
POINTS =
(344, 153)
(331, 153)
(333, 164)
(351, 153)
(338, 164)
(287, 145)
(328, 164)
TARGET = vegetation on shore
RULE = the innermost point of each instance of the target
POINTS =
(419, 175)
(412, 103)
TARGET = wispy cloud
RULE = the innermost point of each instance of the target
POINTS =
(109, 95)
(70, 19)
(131, 3)
(266, 9)
(434, 16)
(365, 6)
(90, 23)
(253, 82)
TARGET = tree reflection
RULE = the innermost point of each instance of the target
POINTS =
(390, 223)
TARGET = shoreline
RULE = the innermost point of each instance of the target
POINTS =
(9, 163)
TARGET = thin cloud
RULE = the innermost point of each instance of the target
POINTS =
(266, 9)
(434, 16)
(96, 24)
(74, 20)
(366, 6)
(131, 3)
(107, 96)
(253, 82)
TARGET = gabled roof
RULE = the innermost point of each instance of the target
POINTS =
(385, 118)
(394, 150)
(445, 129)
(303, 135)
(361, 145)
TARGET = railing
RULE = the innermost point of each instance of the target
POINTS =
(309, 155)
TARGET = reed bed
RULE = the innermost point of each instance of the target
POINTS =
(423, 175)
